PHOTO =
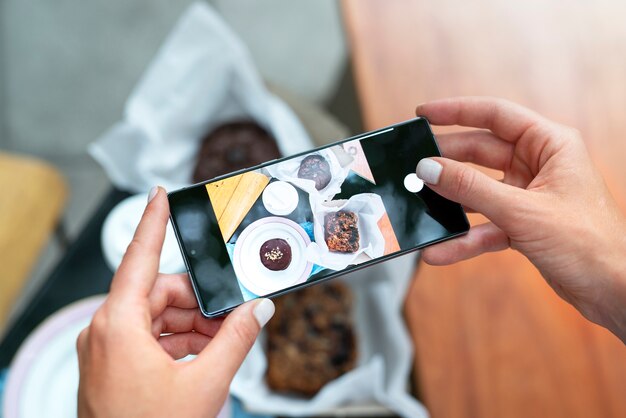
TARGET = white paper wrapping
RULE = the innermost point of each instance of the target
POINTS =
(339, 169)
(369, 208)
(201, 77)
(385, 353)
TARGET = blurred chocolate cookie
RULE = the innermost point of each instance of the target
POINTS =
(310, 339)
(231, 147)
(316, 168)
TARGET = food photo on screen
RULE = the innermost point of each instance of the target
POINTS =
(284, 224)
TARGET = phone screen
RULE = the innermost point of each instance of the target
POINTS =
(292, 222)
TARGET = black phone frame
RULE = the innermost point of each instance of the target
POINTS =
(347, 270)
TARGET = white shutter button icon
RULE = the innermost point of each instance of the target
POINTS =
(413, 183)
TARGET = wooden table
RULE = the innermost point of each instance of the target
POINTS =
(31, 201)
(491, 338)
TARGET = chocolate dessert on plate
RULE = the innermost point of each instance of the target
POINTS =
(275, 254)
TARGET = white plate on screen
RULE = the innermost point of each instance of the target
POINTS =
(252, 274)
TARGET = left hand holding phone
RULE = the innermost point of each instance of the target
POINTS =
(127, 354)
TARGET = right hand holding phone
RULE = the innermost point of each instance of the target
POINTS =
(552, 204)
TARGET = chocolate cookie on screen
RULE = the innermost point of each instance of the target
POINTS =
(231, 147)
(316, 168)
(275, 254)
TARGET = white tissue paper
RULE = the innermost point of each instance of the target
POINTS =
(201, 77)
(384, 358)
(369, 209)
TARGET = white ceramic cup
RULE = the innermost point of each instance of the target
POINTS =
(280, 198)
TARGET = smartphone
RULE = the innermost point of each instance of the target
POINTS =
(292, 222)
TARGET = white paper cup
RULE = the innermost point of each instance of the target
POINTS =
(280, 198)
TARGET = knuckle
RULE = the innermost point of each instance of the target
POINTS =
(494, 241)
(161, 287)
(99, 323)
(575, 133)
(487, 241)
(464, 182)
(82, 339)
(563, 134)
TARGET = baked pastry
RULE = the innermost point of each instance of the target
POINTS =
(310, 339)
(316, 168)
(341, 231)
(275, 254)
(231, 147)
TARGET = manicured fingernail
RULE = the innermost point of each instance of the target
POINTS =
(263, 311)
(153, 192)
(429, 170)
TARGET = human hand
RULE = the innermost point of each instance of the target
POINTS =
(128, 368)
(552, 204)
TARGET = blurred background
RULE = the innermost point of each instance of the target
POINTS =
(67, 69)
(490, 337)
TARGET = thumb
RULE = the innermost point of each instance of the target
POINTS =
(225, 353)
(465, 185)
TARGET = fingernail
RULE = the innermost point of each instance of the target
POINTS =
(153, 192)
(263, 311)
(429, 170)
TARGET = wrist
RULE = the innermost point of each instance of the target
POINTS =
(615, 267)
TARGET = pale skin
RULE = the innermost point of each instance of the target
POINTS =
(127, 368)
(551, 205)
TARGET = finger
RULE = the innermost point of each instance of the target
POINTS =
(460, 183)
(81, 341)
(235, 338)
(171, 290)
(184, 320)
(184, 344)
(478, 147)
(507, 120)
(480, 239)
(140, 265)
